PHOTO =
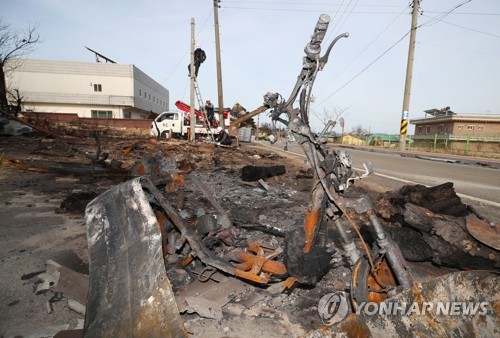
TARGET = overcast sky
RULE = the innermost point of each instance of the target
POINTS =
(457, 56)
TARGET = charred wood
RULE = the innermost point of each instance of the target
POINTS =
(440, 199)
(252, 173)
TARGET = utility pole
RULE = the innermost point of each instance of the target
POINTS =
(219, 67)
(409, 72)
(192, 116)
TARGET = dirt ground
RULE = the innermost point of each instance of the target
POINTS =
(34, 228)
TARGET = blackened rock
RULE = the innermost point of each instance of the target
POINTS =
(251, 173)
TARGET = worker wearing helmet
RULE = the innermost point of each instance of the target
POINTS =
(222, 137)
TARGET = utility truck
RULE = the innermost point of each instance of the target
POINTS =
(178, 123)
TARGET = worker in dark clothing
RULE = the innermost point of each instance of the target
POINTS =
(199, 58)
(209, 108)
(222, 137)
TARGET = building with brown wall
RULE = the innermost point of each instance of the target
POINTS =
(458, 125)
(460, 133)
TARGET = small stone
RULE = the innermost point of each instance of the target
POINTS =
(226, 329)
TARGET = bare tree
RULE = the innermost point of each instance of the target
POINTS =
(12, 46)
(358, 130)
(332, 114)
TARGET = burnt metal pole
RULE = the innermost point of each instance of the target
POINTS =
(192, 117)
(219, 66)
(409, 72)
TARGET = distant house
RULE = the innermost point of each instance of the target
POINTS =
(90, 90)
(386, 140)
(457, 131)
(352, 140)
(476, 126)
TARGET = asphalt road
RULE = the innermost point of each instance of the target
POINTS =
(476, 183)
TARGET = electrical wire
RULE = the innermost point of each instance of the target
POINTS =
(459, 49)
(427, 23)
(301, 10)
(187, 50)
(369, 44)
(444, 15)
(364, 69)
(466, 28)
(340, 19)
(304, 3)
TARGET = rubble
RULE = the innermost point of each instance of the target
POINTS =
(167, 242)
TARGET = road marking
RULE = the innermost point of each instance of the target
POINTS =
(477, 199)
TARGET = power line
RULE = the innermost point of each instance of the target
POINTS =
(301, 10)
(466, 28)
(305, 3)
(434, 20)
(466, 13)
(459, 49)
(444, 15)
(186, 52)
(345, 20)
(364, 69)
(371, 42)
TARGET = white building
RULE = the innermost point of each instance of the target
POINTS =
(103, 90)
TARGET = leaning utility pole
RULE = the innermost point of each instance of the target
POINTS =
(219, 67)
(192, 116)
(409, 71)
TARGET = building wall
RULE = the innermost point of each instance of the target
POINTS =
(81, 87)
(459, 127)
(148, 94)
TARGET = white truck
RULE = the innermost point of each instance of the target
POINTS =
(177, 123)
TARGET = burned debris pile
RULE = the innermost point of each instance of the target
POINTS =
(220, 248)
(431, 224)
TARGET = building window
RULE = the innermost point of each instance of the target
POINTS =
(127, 115)
(140, 92)
(441, 128)
(470, 127)
(102, 114)
(144, 94)
(427, 129)
(419, 130)
(460, 127)
(480, 128)
(97, 87)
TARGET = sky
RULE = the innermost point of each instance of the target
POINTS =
(456, 64)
